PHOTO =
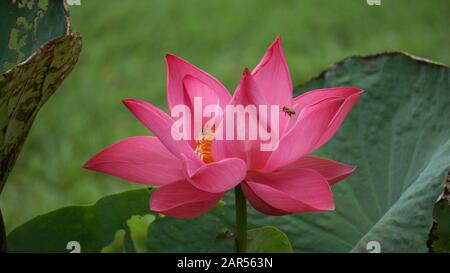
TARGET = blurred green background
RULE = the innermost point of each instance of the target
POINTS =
(124, 43)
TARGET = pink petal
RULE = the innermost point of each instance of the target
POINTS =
(296, 190)
(259, 204)
(246, 95)
(301, 139)
(298, 109)
(272, 76)
(333, 171)
(182, 200)
(177, 69)
(160, 124)
(139, 159)
(351, 96)
(233, 147)
(195, 88)
(248, 91)
(219, 176)
(222, 149)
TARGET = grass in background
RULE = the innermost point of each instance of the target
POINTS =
(124, 43)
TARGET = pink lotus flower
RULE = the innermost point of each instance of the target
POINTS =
(189, 182)
(287, 179)
(193, 175)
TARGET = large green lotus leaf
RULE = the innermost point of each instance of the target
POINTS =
(398, 136)
(26, 26)
(93, 227)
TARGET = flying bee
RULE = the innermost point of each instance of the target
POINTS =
(289, 111)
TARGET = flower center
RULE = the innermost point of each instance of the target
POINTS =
(203, 145)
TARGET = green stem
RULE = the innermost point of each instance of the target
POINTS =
(241, 221)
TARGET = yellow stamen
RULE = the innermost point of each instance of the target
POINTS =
(203, 146)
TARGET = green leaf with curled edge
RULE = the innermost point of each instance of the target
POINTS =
(398, 136)
(27, 86)
(26, 26)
